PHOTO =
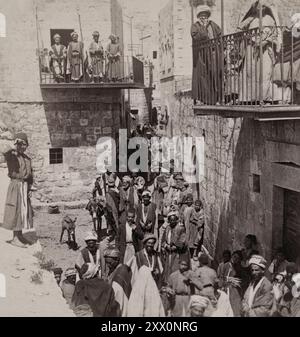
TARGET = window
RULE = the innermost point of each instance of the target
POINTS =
(154, 55)
(65, 35)
(256, 183)
(2, 25)
(56, 156)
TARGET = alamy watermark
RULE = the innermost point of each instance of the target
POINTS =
(152, 155)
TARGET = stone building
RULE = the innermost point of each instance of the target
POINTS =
(65, 120)
(252, 165)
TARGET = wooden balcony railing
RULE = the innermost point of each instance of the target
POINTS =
(130, 74)
(254, 68)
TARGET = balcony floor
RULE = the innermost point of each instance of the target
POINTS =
(260, 113)
(114, 85)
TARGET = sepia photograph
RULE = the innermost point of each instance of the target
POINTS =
(149, 161)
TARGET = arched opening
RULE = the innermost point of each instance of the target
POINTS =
(2, 25)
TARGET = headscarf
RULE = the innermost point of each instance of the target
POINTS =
(149, 236)
(112, 252)
(199, 302)
(96, 33)
(173, 213)
(203, 9)
(74, 33)
(148, 193)
(126, 179)
(56, 35)
(259, 261)
(21, 137)
(91, 236)
(70, 272)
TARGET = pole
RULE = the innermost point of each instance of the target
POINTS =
(260, 55)
(222, 16)
(38, 42)
(131, 38)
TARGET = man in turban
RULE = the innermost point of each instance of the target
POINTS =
(113, 52)
(58, 54)
(96, 56)
(173, 244)
(146, 213)
(197, 306)
(258, 299)
(207, 80)
(68, 285)
(119, 277)
(147, 257)
(75, 55)
(18, 211)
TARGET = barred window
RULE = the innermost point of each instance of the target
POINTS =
(56, 156)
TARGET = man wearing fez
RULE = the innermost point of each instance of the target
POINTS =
(75, 56)
(58, 54)
(96, 55)
(18, 211)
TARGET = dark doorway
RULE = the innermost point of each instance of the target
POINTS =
(291, 226)
(64, 33)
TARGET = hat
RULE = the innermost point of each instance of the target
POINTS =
(173, 213)
(74, 33)
(56, 35)
(21, 137)
(198, 301)
(57, 271)
(258, 260)
(149, 236)
(203, 9)
(112, 252)
(96, 33)
(126, 179)
(148, 193)
(91, 236)
(70, 272)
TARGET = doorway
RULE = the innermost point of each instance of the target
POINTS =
(291, 224)
(65, 36)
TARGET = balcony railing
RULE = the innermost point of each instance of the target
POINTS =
(129, 73)
(253, 68)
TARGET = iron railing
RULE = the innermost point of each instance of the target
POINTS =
(130, 70)
(253, 67)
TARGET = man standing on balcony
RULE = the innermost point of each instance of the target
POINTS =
(96, 54)
(58, 54)
(207, 75)
(113, 52)
(75, 56)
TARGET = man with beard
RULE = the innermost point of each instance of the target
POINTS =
(207, 77)
(75, 58)
(258, 299)
(128, 197)
(58, 54)
(119, 277)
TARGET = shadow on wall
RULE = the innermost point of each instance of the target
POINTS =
(241, 211)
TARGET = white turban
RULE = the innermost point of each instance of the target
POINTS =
(198, 301)
(258, 260)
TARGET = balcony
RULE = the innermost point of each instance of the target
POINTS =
(253, 73)
(130, 75)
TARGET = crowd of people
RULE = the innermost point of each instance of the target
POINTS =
(151, 260)
(73, 64)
